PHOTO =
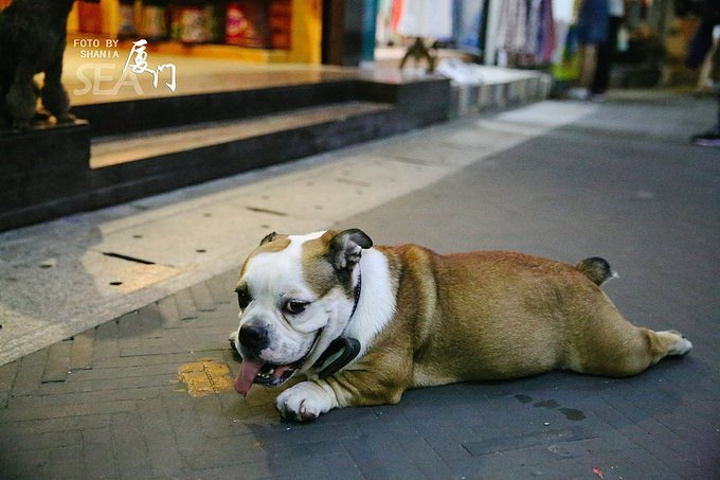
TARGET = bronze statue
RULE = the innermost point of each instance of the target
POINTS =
(418, 51)
(32, 41)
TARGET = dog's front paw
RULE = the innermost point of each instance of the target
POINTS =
(305, 401)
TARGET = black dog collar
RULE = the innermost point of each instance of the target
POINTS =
(342, 350)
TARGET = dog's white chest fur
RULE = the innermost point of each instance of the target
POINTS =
(376, 306)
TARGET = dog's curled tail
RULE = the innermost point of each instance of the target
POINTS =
(596, 269)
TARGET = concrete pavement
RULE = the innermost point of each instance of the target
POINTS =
(94, 267)
(564, 180)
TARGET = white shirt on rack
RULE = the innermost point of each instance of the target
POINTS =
(617, 8)
(426, 18)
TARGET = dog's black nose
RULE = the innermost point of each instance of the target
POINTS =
(253, 337)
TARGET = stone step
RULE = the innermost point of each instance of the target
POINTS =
(116, 150)
(142, 114)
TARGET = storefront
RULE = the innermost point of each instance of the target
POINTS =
(540, 33)
(259, 31)
(347, 32)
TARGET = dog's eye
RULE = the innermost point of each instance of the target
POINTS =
(243, 298)
(294, 307)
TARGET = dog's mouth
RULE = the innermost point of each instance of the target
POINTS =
(263, 373)
(257, 370)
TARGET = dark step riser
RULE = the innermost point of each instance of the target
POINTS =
(122, 118)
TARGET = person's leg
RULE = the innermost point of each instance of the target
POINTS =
(602, 70)
(711, 138)
(587, 57)
(589, 62)
(605, 55)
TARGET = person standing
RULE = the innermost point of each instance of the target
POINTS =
(607, 51)
(699, 47)
(592, 28)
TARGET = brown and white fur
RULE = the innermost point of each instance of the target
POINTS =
(424, 319)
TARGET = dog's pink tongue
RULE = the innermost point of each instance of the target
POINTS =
(248, 370)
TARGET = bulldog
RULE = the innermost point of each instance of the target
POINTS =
(364, 323)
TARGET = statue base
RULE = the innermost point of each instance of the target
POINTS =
(40, 165)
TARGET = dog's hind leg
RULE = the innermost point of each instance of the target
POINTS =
(21, 99)
(667, 343)
(611, 346)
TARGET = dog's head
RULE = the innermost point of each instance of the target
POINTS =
(296, 295)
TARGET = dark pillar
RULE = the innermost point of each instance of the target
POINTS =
(348, 31)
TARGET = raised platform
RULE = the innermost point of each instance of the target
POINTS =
(493, 88)
(135, 147)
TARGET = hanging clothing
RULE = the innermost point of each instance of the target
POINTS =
(512, 28)
(426, 18)
(383, 28)
(526, 30)
(470, 26)
(534, 21)
(547, 32)
(541, 31)
(397, 8)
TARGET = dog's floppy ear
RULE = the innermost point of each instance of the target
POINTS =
(268, 238)
(346, 248)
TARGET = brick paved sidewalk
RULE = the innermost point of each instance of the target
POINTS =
(109, 403)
